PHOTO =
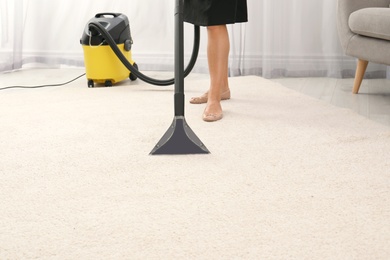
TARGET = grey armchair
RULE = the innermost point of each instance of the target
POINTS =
(364, 31)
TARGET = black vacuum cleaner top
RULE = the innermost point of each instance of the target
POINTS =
(116, 24)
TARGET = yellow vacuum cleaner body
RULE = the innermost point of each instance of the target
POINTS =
(101, 64)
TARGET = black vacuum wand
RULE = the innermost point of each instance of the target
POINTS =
(179, 138)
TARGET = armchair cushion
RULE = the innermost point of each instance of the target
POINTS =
(371, 22)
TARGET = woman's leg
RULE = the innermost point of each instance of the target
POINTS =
(218, 56)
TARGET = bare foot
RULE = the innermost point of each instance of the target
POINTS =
(225, 95)
(213, 112)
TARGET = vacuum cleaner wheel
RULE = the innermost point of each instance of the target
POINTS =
(132, 76)
(91, 84)
(108, 83)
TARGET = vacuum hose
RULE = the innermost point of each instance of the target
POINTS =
(102, 30)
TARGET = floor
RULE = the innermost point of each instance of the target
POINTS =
(373, 100)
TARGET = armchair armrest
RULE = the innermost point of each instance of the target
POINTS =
(344, 10)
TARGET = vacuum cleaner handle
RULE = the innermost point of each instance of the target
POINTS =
(103, 14)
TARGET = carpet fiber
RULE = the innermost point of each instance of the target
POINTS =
(288, 177)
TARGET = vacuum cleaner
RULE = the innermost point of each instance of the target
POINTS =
(107, 46)
(101, 66)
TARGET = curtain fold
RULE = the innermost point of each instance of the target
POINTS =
(282, 38)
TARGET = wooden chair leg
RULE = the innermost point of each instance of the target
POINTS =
(360, 71)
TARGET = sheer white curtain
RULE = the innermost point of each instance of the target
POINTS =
(292, 38)
(11, 34)
(47, 32)
(282, 37)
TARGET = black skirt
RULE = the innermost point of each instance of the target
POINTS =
(215, 12)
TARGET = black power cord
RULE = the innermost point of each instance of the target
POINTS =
(44, 86)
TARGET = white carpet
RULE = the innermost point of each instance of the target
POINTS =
(288, 177)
